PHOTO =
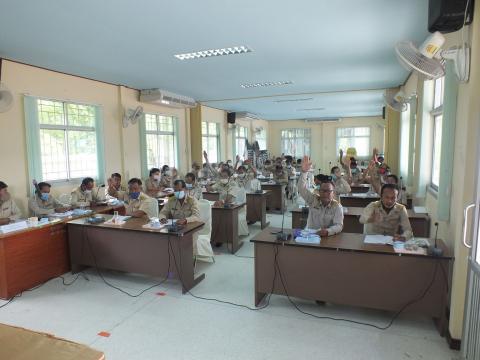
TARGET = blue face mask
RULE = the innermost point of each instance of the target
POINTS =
(189, 186)
(44, 196)
(334, 177)
(317, 187)
(134, 195)
(179, 194)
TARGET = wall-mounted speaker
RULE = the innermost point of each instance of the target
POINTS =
(231, 117)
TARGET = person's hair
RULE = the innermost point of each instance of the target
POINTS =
(299, 161)
(3, 185)
(135, 181)
(327, 182)
(278, 167)
(165, 168)
(153, 171)
(388, 186)
(226, 170)
(116, 175)
(333, 169)
(181, 182)
(87, 181)
(41, 185)
(191, 176)
(242, 167)
(394, 177)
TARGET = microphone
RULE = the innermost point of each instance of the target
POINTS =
(98, 189)
(281, 236)
(436, 251)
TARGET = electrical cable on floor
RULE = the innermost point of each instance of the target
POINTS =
(116, 287)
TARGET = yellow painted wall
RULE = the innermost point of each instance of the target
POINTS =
(122, 148)
(465, 168)
(323, 137)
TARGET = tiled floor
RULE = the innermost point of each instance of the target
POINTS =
(176, 326)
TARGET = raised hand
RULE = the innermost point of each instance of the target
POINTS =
(237, 158)
(306, 164)
(205, 155)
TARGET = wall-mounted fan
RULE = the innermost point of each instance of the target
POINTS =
(6, 98)
(258, 130)
(132, 116)
(429, 59)
(396, 101)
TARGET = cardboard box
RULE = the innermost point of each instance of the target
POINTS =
(22, 344)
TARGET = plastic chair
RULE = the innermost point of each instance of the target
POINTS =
(202, 249)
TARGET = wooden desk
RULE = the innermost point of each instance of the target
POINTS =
(344, 270)
(132, 248)
(361, 188)
(32, 256)
(420, 222)
(276, 200)
(363, 199)
(257, 207)
(225, 227)
(211, 196)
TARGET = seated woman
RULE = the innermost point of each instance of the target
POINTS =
(43, 203)
(152, 184)
(182, 207)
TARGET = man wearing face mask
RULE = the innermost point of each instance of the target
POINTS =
(386, 216)
(9, 211)
(192, 187)
(226, 187)
(166, 180)
(244, 176)
(43, 203)
(84, 194)
(138, 204)
(115, 190)
(152, 184)
(325, 213)
(181, 207)
(341, 185)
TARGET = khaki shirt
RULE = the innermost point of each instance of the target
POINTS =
(174, 209)
(40, 207)
(389, 223)
(245, 181)
(281, 178)
(153, 185)
(79, 196)
(320, 217)
(144, 203)
(8, 209)
(195, 192)
(114, 193)
(230, 189)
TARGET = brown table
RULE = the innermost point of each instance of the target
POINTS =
(211, 196)
(363, 199)
(32, 256)
(132, 248)
(257, 207)
(276, 200)
(225, 226)
(420, 222)
(360, 188)
(344, 270)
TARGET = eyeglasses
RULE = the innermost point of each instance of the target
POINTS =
(325, 191)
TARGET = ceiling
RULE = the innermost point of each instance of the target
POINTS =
(338, 54)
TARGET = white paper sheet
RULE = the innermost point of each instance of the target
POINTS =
(378, 239)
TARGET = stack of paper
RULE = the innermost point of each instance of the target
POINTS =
(312, 239)
(378, 239)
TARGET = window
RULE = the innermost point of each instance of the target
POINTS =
(67, 140)
(354, 137)
(261, 138)
(240, 139)
(296, 142)
(211, 140)
(160, 141)
(437, 116)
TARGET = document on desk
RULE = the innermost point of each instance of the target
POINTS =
(62, 215)
(378, 239)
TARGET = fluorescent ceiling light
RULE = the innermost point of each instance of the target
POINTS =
(214, 52)
(265, 84)
(293, 100)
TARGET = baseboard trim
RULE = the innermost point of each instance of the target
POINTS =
(454, 344)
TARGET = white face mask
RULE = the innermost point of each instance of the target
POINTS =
(224, 181)
(241, 176)
(168, 172)
(156, 177)
(88, 191)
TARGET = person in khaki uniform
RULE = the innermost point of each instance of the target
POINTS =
(280, 175)
(386, 216)
(245, 176)
(341, 185)
(226, 187)
(325, 213)
(84, 194)
(43, 203)
(192, 187)
(9, 211)
(138, 204)
(152, 184)
(115, 189)
(181, 207)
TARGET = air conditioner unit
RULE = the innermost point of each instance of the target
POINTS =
(322, 120)
(166, 98)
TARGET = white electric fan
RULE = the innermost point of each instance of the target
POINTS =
(6, 98)
(397, 102)
(429, 59)
(132, 116)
